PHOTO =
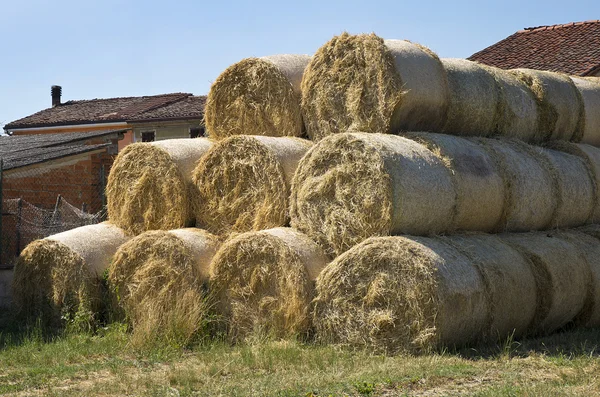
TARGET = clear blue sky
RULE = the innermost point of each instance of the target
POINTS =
(102, 49)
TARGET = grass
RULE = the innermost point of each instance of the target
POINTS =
(106, 363)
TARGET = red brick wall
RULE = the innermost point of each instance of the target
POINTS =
(77, 183)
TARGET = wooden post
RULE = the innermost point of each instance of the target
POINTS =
(1, 215)
(19, 224)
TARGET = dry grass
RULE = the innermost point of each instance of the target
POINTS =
(243, 183)
(136, 201)
(476, 178)
(53, 283)
(394, 294)
(58, 278)
(509, 283)
(528, 185)
(473, 99)
(560, 105)
(263, 283)
(156, 280)
(255, 97)
(353, 186)
(589, 88)
(351, 83)
(562, 276)
(517, 112)
(150, 185)
(425, 98)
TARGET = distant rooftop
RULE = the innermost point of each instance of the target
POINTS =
(25, 150)
(572, 48)
(165, 107)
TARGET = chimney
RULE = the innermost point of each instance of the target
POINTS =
(56, 92)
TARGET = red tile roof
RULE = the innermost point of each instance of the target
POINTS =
(191, 107)
(573, 48)
(180, 105)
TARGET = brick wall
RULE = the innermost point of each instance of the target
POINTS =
(79, 183)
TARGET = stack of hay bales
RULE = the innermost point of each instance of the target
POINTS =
(373, 256)
(408, 293)
(365, 83)
(353, 186)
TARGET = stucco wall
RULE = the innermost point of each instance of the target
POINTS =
(165, 130)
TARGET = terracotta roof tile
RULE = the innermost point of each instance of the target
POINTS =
(572, 48)
(191, 107)
(111, 110)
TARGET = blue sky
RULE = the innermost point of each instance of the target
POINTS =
(102, 49)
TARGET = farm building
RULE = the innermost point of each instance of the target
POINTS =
(572, 48)
(146, 118)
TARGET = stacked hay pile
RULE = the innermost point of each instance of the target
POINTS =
(353, 186)
(365, 83)
(342, 272)
(418, 293)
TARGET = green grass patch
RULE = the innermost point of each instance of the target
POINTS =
(107, 363)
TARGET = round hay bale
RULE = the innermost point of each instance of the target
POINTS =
(473, 101)
(576, 189)
(264, 282)
(243, 183)
(157, 281)
(590, 250)
(590, 94)
(363, 83)
(560, 106)
(394, 294)
(530, 200)
(149, 185)
(58, 278)
(349, 187)
(257, 96)
(592, 230)
(425, 101)
(591, 157)
(478, 182)
(562, 278)
(517, 113)
(508, 281)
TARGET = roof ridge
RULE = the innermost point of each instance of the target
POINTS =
(176, 98)
(75, 101)
(558, 26)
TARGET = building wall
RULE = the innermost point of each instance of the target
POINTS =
(81, 184)
(165, 130)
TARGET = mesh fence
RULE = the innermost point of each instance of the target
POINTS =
(41, 203)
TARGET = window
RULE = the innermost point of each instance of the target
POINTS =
(196, 132)
(148, 136)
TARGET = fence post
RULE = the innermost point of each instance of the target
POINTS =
(1, 215)
(19, 214)
(55, 215)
